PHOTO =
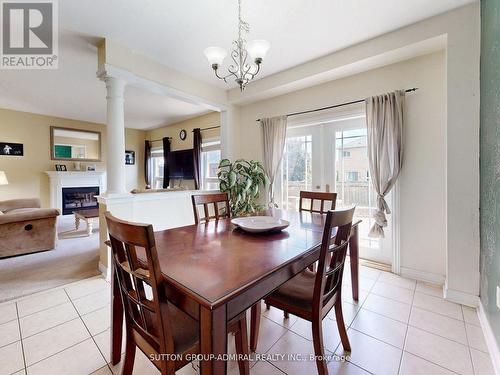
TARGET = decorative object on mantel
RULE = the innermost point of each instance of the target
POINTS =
(129, 157)
(242, 181)
(243, 71)
(61, 168)
(91, 167)
(3, 178)
(183, 135)
(77, 166)
(11, 149)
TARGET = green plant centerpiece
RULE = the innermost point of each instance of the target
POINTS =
(242, 180)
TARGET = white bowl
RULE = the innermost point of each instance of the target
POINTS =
(259, 224)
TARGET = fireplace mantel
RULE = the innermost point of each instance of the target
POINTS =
(59, 180)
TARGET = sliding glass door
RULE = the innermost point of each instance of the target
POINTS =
(332, 156)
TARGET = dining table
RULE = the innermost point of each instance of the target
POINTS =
(215, 271)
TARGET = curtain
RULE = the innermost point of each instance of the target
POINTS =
(274, 135)
(384, 118)
(166, 153)
(147, 164)
(197, 157)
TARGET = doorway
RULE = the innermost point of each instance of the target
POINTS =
(331, 156)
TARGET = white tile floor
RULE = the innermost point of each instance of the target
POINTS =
(399, 326)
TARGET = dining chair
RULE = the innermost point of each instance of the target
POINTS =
(311, 295)
(163, 332)
(317, 196)
(210, 199)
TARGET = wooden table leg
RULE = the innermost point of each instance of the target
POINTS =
(116, 320)
(213, 340)
(354, 257)
(255, 325)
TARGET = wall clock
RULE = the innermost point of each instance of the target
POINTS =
(183, 135)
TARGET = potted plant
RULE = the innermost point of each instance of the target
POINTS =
(242, 180)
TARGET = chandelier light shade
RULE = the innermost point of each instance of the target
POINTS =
(215, 55)
(241, 68)
(257, 49)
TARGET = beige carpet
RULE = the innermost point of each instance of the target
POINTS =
(76, 257)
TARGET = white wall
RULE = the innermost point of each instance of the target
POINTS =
(423, 179)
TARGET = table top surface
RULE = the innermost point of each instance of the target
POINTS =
(89, 213)
(216, 260)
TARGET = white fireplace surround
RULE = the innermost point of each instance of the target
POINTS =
(72, 179)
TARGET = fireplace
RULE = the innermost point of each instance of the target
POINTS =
(79, 198)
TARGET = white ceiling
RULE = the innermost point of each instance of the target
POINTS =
(175, 33)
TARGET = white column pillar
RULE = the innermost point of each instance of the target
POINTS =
(115, 138)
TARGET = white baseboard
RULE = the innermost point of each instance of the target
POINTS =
(105, 272)
(461, 297)
(489, 336)
(427, 277)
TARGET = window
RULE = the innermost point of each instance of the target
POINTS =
(210, 158)
(296, 170)
(157, 168)
(347, 154)
(351, 176)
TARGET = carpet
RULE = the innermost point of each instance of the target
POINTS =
(76, 257)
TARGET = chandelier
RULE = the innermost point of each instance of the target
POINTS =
(242, 71)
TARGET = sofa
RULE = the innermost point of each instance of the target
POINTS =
(26, 228)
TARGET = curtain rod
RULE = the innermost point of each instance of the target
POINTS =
(158, 140)
(336, 105)
(210, 128)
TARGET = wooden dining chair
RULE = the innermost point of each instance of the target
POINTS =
(154, 324)
(317, 196)
(208, 200)
(311, 295)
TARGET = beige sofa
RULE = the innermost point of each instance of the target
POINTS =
(26, 228)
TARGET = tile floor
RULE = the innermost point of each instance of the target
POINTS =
(399, 326)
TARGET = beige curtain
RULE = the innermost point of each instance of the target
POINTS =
(384, 118)
(274, 135)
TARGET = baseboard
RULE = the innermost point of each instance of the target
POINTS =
(461, 297)
(489, 336)
(427, 277)
(104, 270)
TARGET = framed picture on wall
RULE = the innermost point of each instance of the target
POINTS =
(129, 157)
(11, 149)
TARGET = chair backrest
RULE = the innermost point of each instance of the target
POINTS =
(149, 317)
(211, 199)
(318, 196)
(330, 269)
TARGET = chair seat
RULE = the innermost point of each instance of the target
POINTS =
(185, 330)
(297, 292)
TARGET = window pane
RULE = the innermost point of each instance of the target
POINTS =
(353, 185)
(297, 171)
(157, 169)
(209, 165)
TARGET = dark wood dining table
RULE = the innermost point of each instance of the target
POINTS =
(215, 271)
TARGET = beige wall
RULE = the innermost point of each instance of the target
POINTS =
(423, 178)
(26, 173)
(173, 130)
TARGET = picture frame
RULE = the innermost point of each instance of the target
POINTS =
(11, 149)
(91, 168)
(63, 168)
(129, 157)
(58, 167)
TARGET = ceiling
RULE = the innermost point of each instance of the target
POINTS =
(176, 33)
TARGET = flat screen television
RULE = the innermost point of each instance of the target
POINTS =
(181, 164)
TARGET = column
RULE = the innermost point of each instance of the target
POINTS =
(115, 138)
